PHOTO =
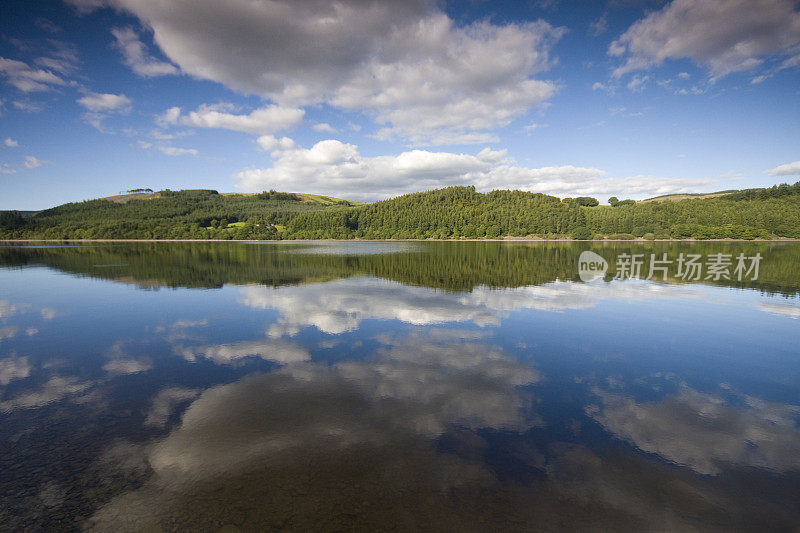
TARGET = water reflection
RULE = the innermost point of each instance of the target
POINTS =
(705, 431)
(444, 386)
(352, 430)
(339, 306)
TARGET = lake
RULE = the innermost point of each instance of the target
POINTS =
(459, 386)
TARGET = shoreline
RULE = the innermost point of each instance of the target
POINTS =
(508, 239)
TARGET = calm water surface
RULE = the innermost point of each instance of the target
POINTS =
(395, 386)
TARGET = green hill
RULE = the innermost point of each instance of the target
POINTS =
(453, 212)
(187, 214)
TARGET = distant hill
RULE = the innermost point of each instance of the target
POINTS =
(449, 213)
(685, 196)
(304, 197)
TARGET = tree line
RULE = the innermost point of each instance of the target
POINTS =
(449, 213)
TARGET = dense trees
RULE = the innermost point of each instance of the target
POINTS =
(453, 212)
(755, 213)
(189, 214)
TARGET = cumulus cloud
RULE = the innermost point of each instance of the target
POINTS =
(105, 102)
(637, 83)
(136, 56)
(101, 106)
(406, 64)
(11, 143)
(337, 168)
(32, 162)
(26, 78)
(175, 151)
(789, 169)
(264, 121)
(723, 36)
(323, 126)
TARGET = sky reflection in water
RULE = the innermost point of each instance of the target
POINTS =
(433, 386)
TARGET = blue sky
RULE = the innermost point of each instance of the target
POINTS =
(367, 99)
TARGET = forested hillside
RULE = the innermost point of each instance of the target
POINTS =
(188, 214)
(445, 213)
(453, 212)
(747, 214)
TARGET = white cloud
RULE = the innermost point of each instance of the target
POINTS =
(724, 36)
(101, 105)
(105, 102)
(62, 57)
(789, 169)
(264, 121)
(26, 78)
(28, 106)
(336, 168)
(406, 64)
(169, 117)
(323, 126)
(637, 83)
(533, 127)
(32, 162)
(10, 142)
(174, 151)
(137, 57)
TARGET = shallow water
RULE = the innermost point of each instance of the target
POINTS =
(396, 386)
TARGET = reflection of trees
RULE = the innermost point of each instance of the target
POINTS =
(455, 266)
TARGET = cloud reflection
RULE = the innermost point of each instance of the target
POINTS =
(339, 306)
(13, 368)
(704, 431)
(342, 418)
